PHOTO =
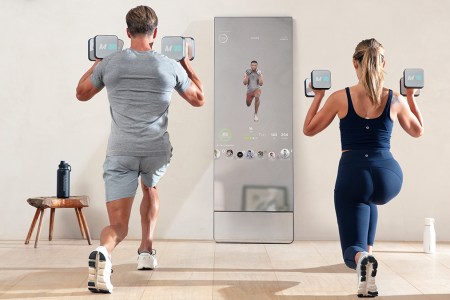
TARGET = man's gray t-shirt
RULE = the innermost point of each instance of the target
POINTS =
(253, 83)
(139, 86)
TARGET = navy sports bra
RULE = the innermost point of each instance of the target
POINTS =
(358, 133)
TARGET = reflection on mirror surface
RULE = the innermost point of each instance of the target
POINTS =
(253, 166)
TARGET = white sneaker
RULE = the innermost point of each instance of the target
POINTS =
(256, 118)
(100, 269)
(147, 260)
(367, 271)
(372, 289)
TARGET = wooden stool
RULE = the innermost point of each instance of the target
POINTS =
(41, 203)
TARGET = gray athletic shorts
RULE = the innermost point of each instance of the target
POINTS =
(121, 174)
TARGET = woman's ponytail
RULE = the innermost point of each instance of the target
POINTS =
(369, 56)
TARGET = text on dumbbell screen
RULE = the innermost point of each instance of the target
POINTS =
(414, 77)
(111, 47)
(174, 48)
(322, 78)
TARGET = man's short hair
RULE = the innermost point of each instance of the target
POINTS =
(141, 20)
(254, 62)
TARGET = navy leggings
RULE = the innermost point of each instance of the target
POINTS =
(365, 179)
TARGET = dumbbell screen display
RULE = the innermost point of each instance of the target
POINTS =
(413, 78)
(321, 79)
(173, 47)
(105, 45)
(403, 89)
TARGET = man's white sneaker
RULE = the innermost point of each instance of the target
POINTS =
(147, 260)
(100, 269)
(367, 271)
(255, 118)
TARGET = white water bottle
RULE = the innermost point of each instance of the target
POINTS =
(429, 236)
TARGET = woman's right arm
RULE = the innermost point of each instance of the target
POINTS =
(409, 115)
(317, 119)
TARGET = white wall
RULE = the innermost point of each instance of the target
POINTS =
(44, 53)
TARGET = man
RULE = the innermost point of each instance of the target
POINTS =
(253, 80)
(140, 83)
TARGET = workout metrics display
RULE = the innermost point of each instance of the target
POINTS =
(253, 111)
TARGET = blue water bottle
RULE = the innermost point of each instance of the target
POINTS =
(63, 180)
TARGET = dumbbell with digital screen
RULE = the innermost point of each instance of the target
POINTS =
(412, 79)
(101, 46)
(177, 47)
(319, 80)
(249, 71)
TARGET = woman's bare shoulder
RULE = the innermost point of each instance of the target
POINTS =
(397, 98)
(339, 94)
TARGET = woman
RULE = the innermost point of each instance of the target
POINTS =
(368, 175)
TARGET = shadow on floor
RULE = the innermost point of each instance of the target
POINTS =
(71, 282)
(339, 268)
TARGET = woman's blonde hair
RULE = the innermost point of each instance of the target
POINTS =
(368, 54)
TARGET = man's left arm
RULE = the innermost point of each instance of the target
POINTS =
(86, 89)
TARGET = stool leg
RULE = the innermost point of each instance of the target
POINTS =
(33, 223)
(52, 220)
(86, 228)
(38, 234)
(77, 212)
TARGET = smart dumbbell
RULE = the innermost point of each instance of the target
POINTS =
(412, 79)
(249, 71)
(177, 47)
(320, 80)
(101, 46)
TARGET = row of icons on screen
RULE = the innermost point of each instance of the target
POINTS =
(250, 154)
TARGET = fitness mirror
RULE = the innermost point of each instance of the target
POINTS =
(253, 165)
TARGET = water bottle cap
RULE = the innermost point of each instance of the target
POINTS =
(64, 165)
(429, 221)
